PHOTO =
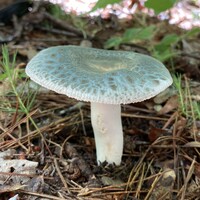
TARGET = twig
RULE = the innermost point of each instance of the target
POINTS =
(62, 24)
(9, 131)
(184, 187)
(56, 31)
(61, 176)
(25, 175)
(41, 195)
(143, 117)
(18, 28)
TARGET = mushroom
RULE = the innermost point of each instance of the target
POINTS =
(106, 78)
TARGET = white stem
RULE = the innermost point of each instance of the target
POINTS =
(107, 127)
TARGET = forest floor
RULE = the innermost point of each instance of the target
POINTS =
(47, 148)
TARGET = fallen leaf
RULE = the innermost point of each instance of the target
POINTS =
(170, 105)
(154, 133)
(110, 181)
(163, 188)
(22, 168)
(7, 154)
(163, 96)
(10, 188)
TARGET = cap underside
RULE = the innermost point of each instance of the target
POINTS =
(95, 75)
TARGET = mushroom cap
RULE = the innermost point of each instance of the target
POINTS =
(96, 75)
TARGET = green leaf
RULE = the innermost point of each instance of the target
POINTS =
(138, 34)
(113, 42)
(3, 76)
(167, 41)
(104, 3)
(163, 50)
(193, 32)
(130, 35)
(160, 5)
(163, 55)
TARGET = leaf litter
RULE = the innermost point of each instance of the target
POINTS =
(56, 159)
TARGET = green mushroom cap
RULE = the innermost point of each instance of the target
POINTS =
(96, 75)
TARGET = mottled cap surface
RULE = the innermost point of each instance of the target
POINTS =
(95, 75)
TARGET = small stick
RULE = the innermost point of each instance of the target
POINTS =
(62, 24)
(60, 174)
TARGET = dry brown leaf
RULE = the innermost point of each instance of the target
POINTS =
(5, 87)
(154, 133)
(164, 185)
(163, 96)
(17, 166)
(29, 52)
(170, 105)
(110, 181)
(7, 154)
(10, 188)
(35, 184)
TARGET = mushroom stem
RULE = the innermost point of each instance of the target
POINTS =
(107, 127)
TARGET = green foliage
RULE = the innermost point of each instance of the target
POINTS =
(188, 107)
(56, 11)
(167, 41)
(196, 106)
(193, 32)
(139, 33)
(3, 76)
(80, 24)
(8, 66)
(131, 35)
(113, 42)
(177, 81)
(159, 5)
(13, 76)
(163, 50)
(9, 69)
(104, 3)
